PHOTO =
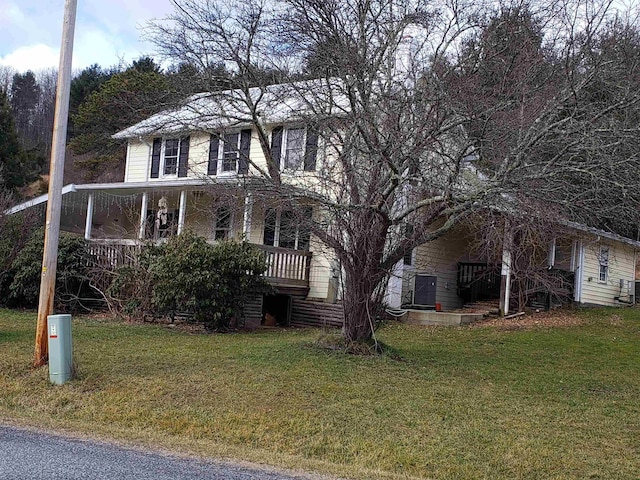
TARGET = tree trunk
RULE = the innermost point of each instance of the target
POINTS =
(364, 282)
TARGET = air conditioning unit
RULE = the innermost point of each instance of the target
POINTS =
(424, 290)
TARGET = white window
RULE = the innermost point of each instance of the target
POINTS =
(293, 148)
(222, 223)
(170, 157)
(604, 264)
(283, 228)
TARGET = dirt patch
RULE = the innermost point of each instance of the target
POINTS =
(554, 319)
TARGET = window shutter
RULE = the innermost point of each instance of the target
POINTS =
(311, 150)
(155, 157)
(184, 157)
(276, 145)
(212, 168)
(245, 145)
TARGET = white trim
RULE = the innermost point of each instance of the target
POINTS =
(71, 188)
(127, 162)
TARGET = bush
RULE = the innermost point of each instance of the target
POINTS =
(72, 285)
(130, 292)
(209, 281)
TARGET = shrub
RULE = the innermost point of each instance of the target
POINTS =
(209, 281)
(72, 285)
(130, 292)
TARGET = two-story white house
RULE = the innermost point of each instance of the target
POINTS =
(203, 167)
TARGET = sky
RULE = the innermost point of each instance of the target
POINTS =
(107, 32)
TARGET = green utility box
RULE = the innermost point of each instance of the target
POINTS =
(60, 348)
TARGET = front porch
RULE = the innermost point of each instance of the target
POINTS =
(118, 219)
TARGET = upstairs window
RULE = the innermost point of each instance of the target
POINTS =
(171, 156)
(294, 148)
(230, 152)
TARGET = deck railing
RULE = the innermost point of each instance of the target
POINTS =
(111, 254)
(284, 266)
(287, 266)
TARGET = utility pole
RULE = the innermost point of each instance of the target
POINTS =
(56, 171)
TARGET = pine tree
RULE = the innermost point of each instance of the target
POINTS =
(12, 172)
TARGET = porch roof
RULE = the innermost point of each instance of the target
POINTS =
(602, 233)
(132, 187)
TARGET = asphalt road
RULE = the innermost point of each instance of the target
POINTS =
(35, 455)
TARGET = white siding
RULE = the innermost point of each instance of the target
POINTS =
(621, 266)
(198, 155)
(138, 161)
(320, 271)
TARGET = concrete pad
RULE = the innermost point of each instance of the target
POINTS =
(431, 317)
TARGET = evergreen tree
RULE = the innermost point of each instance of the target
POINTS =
(12, 172)
(123, 100)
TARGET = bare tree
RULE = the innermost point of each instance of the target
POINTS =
(409, 150)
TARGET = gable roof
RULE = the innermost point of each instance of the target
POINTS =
(228, 108)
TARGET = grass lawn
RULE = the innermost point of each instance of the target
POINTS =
(458, 403)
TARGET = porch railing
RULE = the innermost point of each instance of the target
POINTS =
(287, 266)
(110, 254)
(478, 281)
(284, 266)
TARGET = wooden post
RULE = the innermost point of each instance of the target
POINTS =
(56, 169)
(143, 216)
(181, 212)
(87, 225)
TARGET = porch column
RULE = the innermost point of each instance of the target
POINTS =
(143, 216)
(181, 212)
(89, 221)
(551, 258)
(505, 278)
(248, 210)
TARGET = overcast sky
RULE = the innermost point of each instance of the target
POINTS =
(107, 31)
